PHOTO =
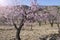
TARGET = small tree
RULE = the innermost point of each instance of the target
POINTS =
(18, 28)
(51, 19)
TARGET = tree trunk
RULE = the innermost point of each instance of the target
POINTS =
(17, 35)
(58, 24)
(18, 29)
(18, 32)
(51, 23)
(45, 22)
(39, 23)
(31, 27)
(59, 30)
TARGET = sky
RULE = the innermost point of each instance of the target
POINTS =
(27, 2)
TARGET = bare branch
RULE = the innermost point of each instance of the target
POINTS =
(14, 24)
(21, 23)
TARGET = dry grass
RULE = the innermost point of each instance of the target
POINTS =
(8, 32)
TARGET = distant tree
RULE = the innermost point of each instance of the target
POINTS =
(39, 19)
(45, 17)
(51, 19)
(3, 20)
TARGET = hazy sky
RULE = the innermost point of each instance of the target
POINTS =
(27, 2)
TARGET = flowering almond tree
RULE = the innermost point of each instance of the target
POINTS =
(21, 16)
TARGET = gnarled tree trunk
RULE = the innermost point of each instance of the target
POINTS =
(17, 35)
(18, 29)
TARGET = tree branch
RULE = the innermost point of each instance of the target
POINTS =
(14, 24)
(21, 23)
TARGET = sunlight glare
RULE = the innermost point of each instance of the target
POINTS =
(2, 2)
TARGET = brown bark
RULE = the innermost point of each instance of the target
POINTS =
(51, 22)
(31, 27)
(17, 35)
(40, 23)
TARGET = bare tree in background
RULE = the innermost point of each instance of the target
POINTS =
(51, 19)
